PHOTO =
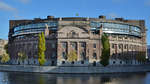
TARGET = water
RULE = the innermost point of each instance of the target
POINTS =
(37, 78)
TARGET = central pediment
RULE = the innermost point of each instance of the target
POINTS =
(72, 32)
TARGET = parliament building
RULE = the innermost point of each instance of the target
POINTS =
(81, 34)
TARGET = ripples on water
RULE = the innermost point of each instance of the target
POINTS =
(37, 78)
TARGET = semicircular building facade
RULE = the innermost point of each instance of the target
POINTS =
(127, 39)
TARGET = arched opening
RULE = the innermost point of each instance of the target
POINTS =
(63, 62)
(94, 63)
(82, 62)
(72, 62)
(53, 63)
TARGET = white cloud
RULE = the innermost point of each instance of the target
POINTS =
(6, 7)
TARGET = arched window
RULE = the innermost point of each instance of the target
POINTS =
(73, 33)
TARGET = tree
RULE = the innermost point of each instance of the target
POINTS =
(5, 58)
(22, 56)
(41, 49)
(72, 56)
(141, 56)
(105, 51)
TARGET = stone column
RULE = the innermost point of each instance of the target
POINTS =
(68, 47)
(59, 51)
(87, 51)
(78, 52)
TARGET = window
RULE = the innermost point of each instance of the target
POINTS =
(73, 33)
(83, 44)
(120, 46)
(64, 55)
(53, 55)
(74, 45)
(119, 37)
(94, 56)
(125, 46)
(95, 32)
(113, 45)
(113, 36)
(94, 45)
(53, 45)
(64, 45)
(126, 37)
(83, 56)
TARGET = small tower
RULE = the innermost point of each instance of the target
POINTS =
(46, 30)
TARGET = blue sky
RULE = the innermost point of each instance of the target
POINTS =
(29, 9)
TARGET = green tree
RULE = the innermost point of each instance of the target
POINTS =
(41, 49)
(5, 58)
(105, 51)
(72, 56)
(22, 56)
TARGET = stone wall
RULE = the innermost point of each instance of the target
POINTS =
(55, 69)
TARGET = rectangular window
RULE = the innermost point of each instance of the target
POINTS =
(120, 46)
(125, 46)
(83, 44)
(53, 45)
(113, 36)
(113, 45)
(53, 55)
(119, 37)
(64, 55)
(94, 45)
(126, 37)
(83, 56)
(74, 45)
(64, 45)
(94, 55)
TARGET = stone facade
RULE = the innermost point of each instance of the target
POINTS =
(2, 44)
(83, 35)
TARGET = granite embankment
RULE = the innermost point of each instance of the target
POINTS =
(57, 69)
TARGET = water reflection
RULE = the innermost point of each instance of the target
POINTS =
(37, 78)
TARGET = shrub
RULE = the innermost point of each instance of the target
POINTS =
(72, 56)
(141, 56)
(5, 58)
(22, 56)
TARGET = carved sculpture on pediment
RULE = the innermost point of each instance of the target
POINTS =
(72, 34)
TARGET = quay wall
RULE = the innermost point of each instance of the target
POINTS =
(58, 69)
